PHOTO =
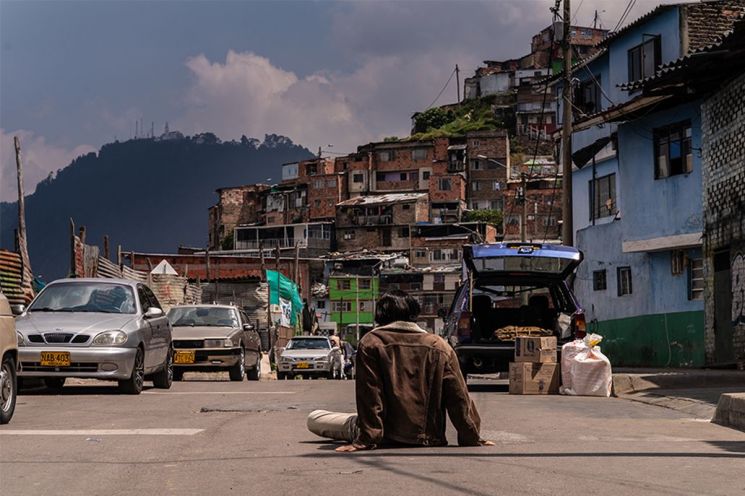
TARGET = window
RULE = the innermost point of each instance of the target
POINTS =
(349, 235)
(380, 176)
(406, 206)
(404, 176)
(331, 183)
(624, 281)
(677, 262)
(587, 96)
(415, 286)
(358, 178)
(475, 186)
(644, 59)
(344, 284)
(603, 197)
(321, 304)
(425, 175)
(496, 185)
(420, 253)
(365, 306)
(342, 306)
(443, 184)
(476, 164)
(599, 282)
(497, 204)
(672, 146)
(403, 232)
(318, 183)
(317, 203)
(386, 155)
(696, 279)
(419, 154)
(364, 283)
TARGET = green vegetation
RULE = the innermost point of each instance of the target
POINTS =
(455, 120)
(493, 217)
(227, 242)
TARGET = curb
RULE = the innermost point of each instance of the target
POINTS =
(730, 411)
(625, 383)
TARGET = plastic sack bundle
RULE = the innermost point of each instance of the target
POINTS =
(585, 371)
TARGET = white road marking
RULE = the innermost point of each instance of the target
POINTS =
(201, 393)
(101, 432)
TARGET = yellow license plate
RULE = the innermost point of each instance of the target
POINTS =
(55, 358)
(303, 365)
(182, 357)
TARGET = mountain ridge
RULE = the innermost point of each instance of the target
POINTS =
(149, 194)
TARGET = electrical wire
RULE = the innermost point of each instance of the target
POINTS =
(625, 14)
(442, 90)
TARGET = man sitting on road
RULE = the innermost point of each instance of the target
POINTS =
(406, 381)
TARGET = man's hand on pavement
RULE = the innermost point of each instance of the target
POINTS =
(484, 442)
(349, 448)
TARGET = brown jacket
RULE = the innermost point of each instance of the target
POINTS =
(406, 380)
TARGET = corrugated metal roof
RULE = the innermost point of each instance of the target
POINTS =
(382, 199)
(11, 270)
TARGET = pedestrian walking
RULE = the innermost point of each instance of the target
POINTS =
(407, 382)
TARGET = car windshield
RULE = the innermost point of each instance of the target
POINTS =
(85, 297)
(308, 344)
(203, 316)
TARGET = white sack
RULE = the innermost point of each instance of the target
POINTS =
(585, 371)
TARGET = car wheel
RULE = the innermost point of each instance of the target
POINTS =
(178, 375)
(255, 373)
(8, 389)
(281, 376)
(134, 384)
(238, 370)
(54, 384)
(164, 377)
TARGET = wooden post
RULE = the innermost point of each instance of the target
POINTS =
(73, 272)
(106, 246)
(261, 257)
(82, 234)
(22, 240)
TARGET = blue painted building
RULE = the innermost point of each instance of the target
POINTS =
(637, 182)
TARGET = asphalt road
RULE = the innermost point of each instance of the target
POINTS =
(221, 438)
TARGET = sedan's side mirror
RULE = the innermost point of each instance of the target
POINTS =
(153, 312)
(248, 327)
(17, 309)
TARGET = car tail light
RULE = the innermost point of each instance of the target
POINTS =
(464, 325)
(579, 325)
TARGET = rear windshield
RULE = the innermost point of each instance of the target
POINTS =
(531, 264)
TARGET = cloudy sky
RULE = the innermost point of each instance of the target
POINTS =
(77, 74)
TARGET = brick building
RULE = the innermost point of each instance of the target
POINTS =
(379, 222)
(235, 206)
(542, 201)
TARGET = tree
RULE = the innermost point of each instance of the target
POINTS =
(433, 118)
(493, 217)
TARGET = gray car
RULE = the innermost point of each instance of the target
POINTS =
(111, 329)
(215, 337)
(305, 355)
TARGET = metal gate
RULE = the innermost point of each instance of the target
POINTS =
(723, 332)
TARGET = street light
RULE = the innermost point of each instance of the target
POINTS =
(521, 198)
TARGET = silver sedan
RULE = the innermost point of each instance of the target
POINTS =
(112, 329)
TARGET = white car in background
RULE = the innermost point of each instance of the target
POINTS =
(9, 354)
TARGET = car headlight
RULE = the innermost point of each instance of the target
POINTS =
(110, 338)
(21, 341)
(218, 343)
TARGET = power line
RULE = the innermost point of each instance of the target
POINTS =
(442, 90)
(625, 14)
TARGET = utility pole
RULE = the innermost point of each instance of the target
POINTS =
(567, 227)
(26, 274)
(524, 213)
(457, 80)
(595, 20)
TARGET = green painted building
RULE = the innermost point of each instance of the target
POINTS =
(352, 298)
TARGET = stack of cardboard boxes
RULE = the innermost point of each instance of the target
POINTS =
(535, 369)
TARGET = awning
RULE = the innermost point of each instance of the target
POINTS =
(664, 243)
(584, 155)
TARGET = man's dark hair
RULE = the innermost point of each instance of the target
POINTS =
(396, 306)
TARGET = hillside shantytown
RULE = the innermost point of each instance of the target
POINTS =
(572, 226)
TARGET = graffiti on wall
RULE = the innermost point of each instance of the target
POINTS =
(738, 289)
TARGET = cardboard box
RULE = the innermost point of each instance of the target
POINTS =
(534, 378)
(535, 350)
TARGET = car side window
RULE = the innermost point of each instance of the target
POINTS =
(244, 318)
(151, 296)
(144, 304)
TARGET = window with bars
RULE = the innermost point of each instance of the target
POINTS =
(599, 280)
(603, 197)
(342, 306)
(624, 281)
(696, 279)
(419, 154)
(443, 184)
(587, 96)
(358, 178)
(673, 153)
(344, 284)
(364, 283)
(386, 155)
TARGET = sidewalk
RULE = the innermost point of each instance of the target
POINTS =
(716, 395)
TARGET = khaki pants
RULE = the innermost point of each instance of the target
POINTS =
(333, 425)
